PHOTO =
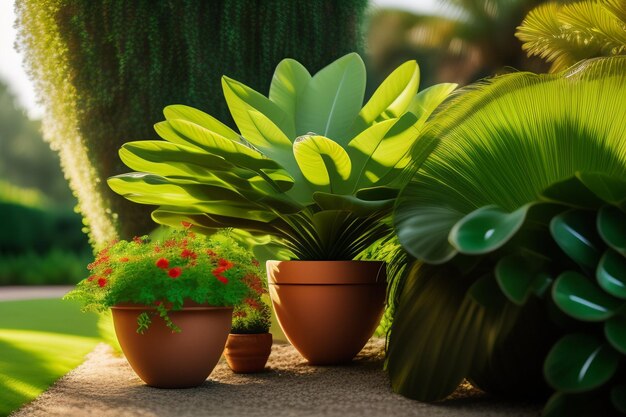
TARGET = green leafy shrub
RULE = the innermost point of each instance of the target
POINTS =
(27, 229)
(104, 71)
(524, 273)
(55, 267)
(313, 174)
(165, 274)
(254, 314)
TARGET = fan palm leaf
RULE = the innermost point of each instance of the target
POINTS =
(566, 34)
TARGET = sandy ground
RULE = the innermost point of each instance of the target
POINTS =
(106, 386)
(30, 293)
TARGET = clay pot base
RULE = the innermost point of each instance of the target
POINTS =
(328, 310)
(163, 359)
(248, 353)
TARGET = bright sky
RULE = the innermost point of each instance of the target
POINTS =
(12, 72)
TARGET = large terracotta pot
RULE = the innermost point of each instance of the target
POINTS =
(164, 359)
(248, 353)
(327, 309)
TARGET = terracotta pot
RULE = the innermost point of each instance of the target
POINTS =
(164, 359)
(248, 353)
(327, 309)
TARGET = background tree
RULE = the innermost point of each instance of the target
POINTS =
(471, 40)
(105, 70)
(26, 161)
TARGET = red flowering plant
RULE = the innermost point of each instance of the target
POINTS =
(165, 273)
(253, 315)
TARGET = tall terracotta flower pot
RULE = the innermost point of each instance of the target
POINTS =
(164, 359)
(327, 309)
(248, 353)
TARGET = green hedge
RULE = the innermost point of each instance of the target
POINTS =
(56, 267)
(33, 229)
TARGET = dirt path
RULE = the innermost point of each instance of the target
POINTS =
(106, 386)
(10, 293)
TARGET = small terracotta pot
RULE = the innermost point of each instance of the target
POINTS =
(164, 359)
(248, 353)
(327, 309)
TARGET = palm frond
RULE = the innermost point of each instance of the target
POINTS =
(503, 142)
(566, 34)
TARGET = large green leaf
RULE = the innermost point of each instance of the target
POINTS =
(520, 276)
(392, 98)
(289, 81)
(424, 103)
(358, 206)
(612, 227)
(575, 233)
(179, 111)
(332, 99)
(579, 363)
(611, 274)
(580, 298)
(242, 100)
(615, 332)
(486, 229)
(489, 154)
(323, 162)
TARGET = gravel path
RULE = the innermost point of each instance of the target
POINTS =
(105, 386)
(10, 293)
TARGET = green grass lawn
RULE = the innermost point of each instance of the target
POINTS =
(40, 341)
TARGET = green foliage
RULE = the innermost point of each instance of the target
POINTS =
(164, 274)
(105, 70)
(55, 267)
(27, 229)
(527, 177)
(314, 169)
(26, 161)
(254, 314)
(568, 33)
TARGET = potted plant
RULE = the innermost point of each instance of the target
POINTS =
(310, 180)
(249, 343)
(171, 300)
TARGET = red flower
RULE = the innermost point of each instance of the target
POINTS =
(170, 243)
(124, 259)
(157, 249)
(91, 278)
(211, 253)
(186, 225)
(162, 263)
(186, 253)
(138, 240)
(107, 271)
(222, 279)
(102, 282)
(253, 303)
(240, 314)
(175, 272)
(217, 271)
(225, 263)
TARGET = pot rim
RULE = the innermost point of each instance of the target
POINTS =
(348, 272)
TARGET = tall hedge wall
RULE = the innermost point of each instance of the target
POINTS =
(105, 69)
